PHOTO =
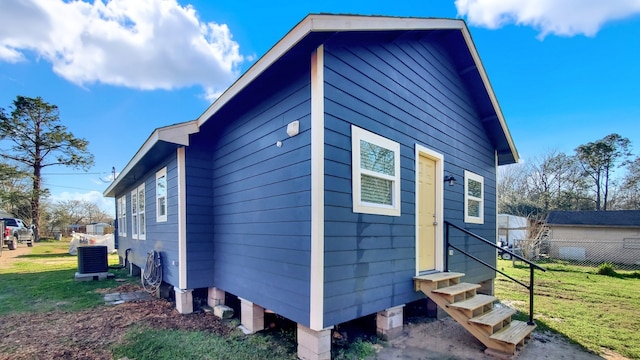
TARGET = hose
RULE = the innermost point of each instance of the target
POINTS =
(152, 273)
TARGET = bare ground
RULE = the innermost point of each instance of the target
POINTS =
(447, 340)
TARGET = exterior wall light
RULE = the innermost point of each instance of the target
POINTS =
(450, 179)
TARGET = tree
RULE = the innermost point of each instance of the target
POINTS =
(598, 160)
(38, 140)
(629, 191)
(14, 191)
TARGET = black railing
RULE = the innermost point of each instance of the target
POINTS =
(532, 266)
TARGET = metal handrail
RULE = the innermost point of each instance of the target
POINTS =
(532, 266)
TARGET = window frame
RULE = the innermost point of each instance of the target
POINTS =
(122, 215)
(162, 173)
(138, 231)
(470, 176)
(359, 206)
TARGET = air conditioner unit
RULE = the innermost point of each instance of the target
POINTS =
(92, 259)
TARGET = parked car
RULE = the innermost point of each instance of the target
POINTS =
(16, 231)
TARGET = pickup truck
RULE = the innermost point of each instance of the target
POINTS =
(15, 231)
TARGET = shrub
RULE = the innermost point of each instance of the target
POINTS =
(607, 269)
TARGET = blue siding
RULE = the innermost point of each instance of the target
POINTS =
(199, 214)
(160, 236)
(409, 92)
(261, 199)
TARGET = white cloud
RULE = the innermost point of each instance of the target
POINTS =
(106, 204)
(559, 17)
(141, 44)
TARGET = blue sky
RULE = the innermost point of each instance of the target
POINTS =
(564, 72)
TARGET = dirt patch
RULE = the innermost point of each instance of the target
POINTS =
(447, 340)
(89, 334)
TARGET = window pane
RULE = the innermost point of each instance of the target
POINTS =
(162, 206)
(377, 158)
(141, 199)
(134, 223)
(475, 188)
(162, 186)
(142, 229)
(473, 208)
(376, 190)
(134, 202)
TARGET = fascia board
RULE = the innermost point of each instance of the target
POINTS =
(176, 134)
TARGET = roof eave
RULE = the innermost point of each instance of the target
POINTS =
(175, 134)
(338, 23)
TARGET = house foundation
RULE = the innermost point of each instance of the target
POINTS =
(215, 297)
(389, 322)
(314, 345)
(251, 316)
(134, 270)
(184, 300)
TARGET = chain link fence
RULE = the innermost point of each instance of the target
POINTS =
(623, 254)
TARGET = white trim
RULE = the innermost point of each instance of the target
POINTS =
(182, 218)
(315, 23)
(359, 206)
(323, 23)
(162, 173)
(134, 212)
(468, 175)
(176, 134)
(316, 291)
(487, 85)
(439, 159)
(142, 225)
(330, 23)
(122, 210)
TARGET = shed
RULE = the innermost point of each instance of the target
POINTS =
(314, 186)
(595, 236)
(512, 228)
(97, 228)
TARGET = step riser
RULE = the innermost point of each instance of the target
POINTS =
(458, 301)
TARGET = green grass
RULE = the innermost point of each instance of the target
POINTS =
(144, 343)
(44, 281)
(595, 311)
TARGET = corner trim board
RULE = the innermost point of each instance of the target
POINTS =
(182, 218)
(316, 291)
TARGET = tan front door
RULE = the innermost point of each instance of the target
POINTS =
(427, 219)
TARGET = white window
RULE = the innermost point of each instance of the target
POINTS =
(161, 195)
(138, 224)
(375, 173)
(473, 198)
(122, 216)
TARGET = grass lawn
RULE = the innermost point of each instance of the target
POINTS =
(596, 311)
(43, 280)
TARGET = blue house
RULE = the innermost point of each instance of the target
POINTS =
(318, 185)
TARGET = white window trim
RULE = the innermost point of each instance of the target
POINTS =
(122, 215)
(135, 226)
(134, 213)
(468, 175)
(360, 206)
(160, 174)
